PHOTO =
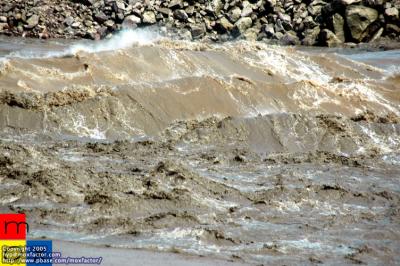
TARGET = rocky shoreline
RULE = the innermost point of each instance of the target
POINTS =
(293, 22)
(241, 151)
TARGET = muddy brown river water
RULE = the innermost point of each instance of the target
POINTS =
(245, 151)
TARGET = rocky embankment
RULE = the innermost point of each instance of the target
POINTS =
(307, 22)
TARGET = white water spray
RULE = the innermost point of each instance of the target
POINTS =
(121, 40)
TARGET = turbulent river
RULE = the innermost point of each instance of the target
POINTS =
(244, 151)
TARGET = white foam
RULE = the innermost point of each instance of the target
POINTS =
(392, 71)
(3, 64)
(80, 126)
(294, 66)
(376, 139)
(305, 244)
(363, 91)
(393, 159)
(219, 205)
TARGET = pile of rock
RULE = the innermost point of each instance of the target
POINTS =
(308, 22)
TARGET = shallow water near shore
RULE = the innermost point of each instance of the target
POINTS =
(245, 151)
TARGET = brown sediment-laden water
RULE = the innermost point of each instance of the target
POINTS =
(242, 150)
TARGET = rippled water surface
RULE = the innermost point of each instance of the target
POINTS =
(245, 151)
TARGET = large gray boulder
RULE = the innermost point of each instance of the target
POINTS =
(328, 38)
(131, 22)
(392, 13)
(149, 17)
(269, 30)
(247, 10)
(197, 31)
(3, 26)
(32, 22)
(217, 6)
(181, 15)
(242, 25)
(290, 38)
(235, 14)
(175, 4)
(100, 17)
(224, 25)
(338, 26)
(251, 34)
(311, 36)
(358, 19)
